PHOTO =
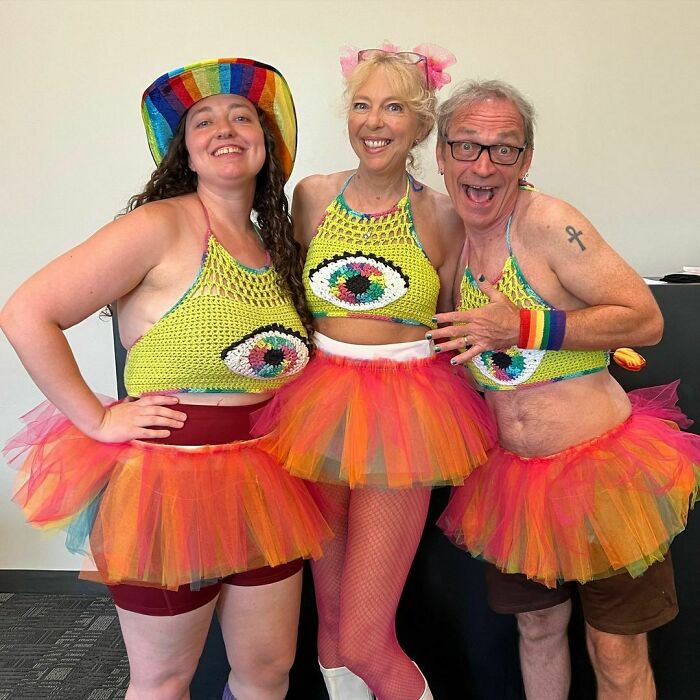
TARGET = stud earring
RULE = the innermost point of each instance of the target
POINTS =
(440, 172)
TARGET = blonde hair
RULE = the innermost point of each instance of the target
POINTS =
(407, 81)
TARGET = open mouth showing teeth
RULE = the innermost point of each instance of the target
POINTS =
(376, 143)
(479, 194)
(227, 149)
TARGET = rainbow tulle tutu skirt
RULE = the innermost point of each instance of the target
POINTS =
(377, 422)
(160, 514)
(609, 505)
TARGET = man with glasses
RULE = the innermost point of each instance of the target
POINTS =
(588, 485)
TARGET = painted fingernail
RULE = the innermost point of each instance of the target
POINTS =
(437, 348)
(482, 278)
(428, 336)
(453, 362)
(433, 319)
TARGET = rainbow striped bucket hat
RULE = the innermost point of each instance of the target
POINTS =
(165, 102)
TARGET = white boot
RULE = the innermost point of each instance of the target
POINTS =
(427, 695)
(343, 684)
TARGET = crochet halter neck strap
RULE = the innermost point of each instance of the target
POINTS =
(205, 211)
(404, 198)
(210, 234)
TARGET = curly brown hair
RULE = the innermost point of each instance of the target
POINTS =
(173, 177)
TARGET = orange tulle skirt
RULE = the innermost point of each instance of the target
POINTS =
(378, 422)
(612, 504)
(163, 515)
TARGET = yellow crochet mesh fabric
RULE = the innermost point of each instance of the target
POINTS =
(512, 368)
(234, 330)
(370, 266)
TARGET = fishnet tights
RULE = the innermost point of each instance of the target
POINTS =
(359, 581)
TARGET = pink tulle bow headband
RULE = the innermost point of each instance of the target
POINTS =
(436, 60)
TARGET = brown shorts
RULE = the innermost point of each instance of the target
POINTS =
(619, 604)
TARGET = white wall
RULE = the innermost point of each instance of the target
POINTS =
(615, 84)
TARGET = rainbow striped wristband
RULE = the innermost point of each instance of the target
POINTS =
(541, 329)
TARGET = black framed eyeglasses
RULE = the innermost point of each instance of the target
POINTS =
(499, 153)
(410, 57)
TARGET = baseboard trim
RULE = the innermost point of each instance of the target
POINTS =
(42, 581)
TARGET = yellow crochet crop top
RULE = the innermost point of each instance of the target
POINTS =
(370, 266)
(515, 368)
(234, 330)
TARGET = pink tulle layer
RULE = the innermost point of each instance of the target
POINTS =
(379, 423)
(163, 515)
(611, 504)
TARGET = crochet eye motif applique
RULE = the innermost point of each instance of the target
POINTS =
(509, 367)
(358, 282)
(268, 352)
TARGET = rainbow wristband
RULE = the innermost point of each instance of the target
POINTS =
(541, 329)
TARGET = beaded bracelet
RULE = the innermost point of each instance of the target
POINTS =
(541, 329)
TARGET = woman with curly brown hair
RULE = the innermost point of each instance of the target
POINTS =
(183, 511)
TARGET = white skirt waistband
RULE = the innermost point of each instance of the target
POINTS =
(399, 352)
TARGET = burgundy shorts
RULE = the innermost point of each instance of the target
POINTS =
(159, 601)
(618, 605)
(205, 425)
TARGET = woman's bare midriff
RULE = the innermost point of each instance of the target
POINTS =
(364, 331)
(228, 399)
(539, 421)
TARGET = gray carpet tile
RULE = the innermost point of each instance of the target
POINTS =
(60, 647)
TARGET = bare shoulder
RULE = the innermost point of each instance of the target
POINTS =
(312, 195)
(153, 234)
(555, 226)
(317, 190)
(168, 216)
(156, 224)
(584, 265)
(437, 208)
(451, 226)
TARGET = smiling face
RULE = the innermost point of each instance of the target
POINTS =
(224, 138)
(484, 193)
(381, 127)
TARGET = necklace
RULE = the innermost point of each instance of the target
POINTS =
(371, 223)
(380, 201)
